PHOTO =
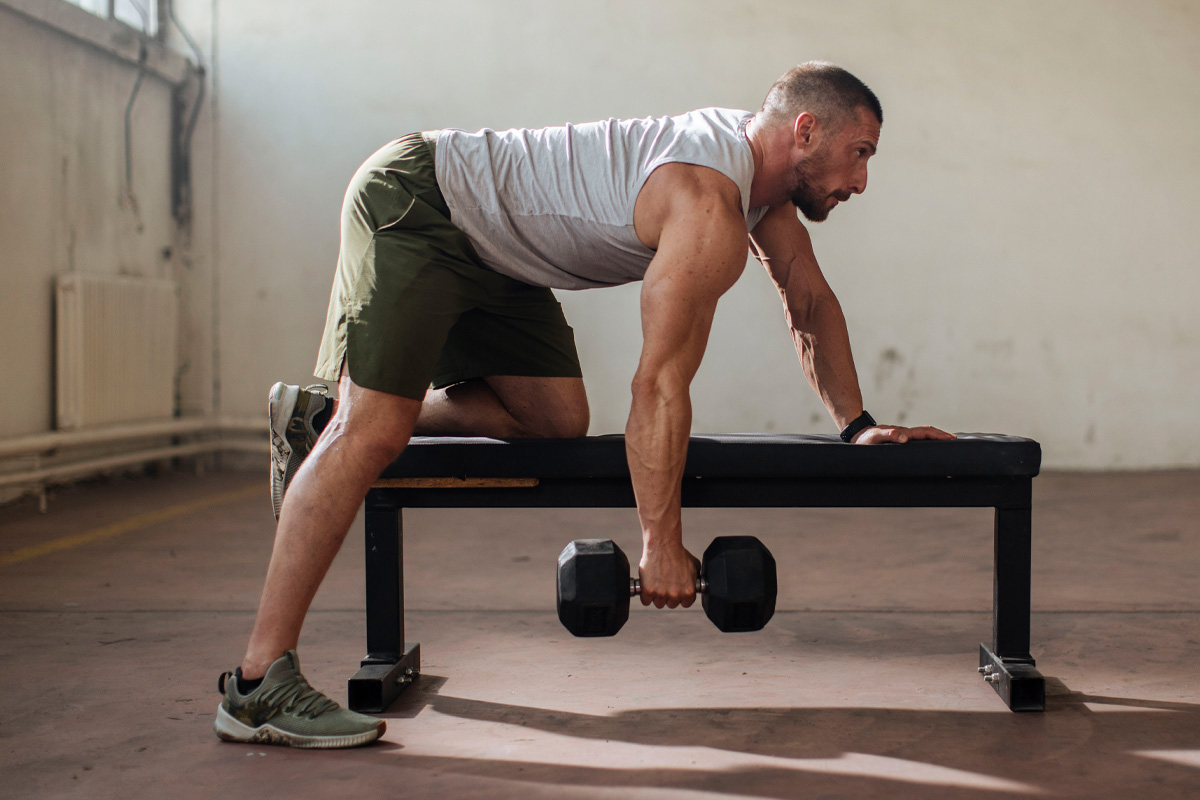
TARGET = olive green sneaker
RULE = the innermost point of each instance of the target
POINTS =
(292, 410)
(285, 710)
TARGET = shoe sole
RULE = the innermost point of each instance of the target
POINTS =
(279, 408)
(231, 730)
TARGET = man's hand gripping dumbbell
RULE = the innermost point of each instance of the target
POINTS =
(737, 585)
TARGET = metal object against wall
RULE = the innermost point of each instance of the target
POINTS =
(116, 348)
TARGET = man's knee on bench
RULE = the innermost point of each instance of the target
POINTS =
(543, 408)
(572, 424)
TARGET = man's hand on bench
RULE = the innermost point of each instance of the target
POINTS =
(880, 434)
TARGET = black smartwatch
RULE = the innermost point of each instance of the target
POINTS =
(854, 428)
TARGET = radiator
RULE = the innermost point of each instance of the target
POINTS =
(116, 349)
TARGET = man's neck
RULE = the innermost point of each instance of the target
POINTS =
(766, 187)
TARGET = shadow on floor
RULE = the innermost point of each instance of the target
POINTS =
(1081, 741)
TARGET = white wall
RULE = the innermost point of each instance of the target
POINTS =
(1024, 259)
(62, 182)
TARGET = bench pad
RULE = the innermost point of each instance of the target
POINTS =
(747, 455)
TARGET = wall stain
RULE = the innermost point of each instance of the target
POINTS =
(890, 366)
(1001, 348)
(889, 361)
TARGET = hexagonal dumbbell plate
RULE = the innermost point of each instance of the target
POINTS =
(593, 587)
(742, 583)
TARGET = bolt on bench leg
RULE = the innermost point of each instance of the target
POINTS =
(391, 664)
(1019, 684)
(1007, 664)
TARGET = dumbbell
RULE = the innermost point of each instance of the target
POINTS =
(737, 585)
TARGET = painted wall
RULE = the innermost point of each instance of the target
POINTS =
(1023, 261)
(64, 205)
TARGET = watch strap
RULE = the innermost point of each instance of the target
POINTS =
(863, 422)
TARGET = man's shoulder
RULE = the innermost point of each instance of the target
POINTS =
(694, 181)
(689, 194)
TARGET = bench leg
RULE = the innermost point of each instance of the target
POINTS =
(1007, 664)
(391, 665)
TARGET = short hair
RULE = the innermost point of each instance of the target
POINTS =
(828, 92)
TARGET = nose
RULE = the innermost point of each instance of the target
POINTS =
(859, 184)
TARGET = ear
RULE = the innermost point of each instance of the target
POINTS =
(804, 131)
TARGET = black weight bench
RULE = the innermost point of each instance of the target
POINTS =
(725, 471)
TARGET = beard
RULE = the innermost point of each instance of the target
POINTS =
(813, 202)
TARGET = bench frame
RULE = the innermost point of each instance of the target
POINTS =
(391, 664)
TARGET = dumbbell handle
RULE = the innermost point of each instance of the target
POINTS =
(635, 586)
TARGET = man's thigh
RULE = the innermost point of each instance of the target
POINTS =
(513, 329)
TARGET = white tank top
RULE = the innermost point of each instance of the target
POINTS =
(554, 206)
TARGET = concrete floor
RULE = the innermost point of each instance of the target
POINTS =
(863, 685)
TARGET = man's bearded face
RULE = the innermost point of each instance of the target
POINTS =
(809, 193)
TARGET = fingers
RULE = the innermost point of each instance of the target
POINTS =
(930, 432)
(671, 591)
(668, 599)
(897, 434)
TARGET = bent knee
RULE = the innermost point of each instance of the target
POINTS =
(378, 447)
(570, 424)
(373, 441)
(377, 426)
(577, 425)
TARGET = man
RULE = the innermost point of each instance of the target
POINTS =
(451, 243)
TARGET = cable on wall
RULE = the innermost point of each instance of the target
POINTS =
(129, 200)
(182, 164)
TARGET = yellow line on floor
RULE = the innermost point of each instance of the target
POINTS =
(127, 525)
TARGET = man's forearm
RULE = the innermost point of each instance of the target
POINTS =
(656, 440)
(823, 344)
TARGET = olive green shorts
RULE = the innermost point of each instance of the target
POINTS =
(413, 306)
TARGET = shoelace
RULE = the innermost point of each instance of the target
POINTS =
(294, 694)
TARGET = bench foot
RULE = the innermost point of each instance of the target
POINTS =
(379, 682)
(1016, 680)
